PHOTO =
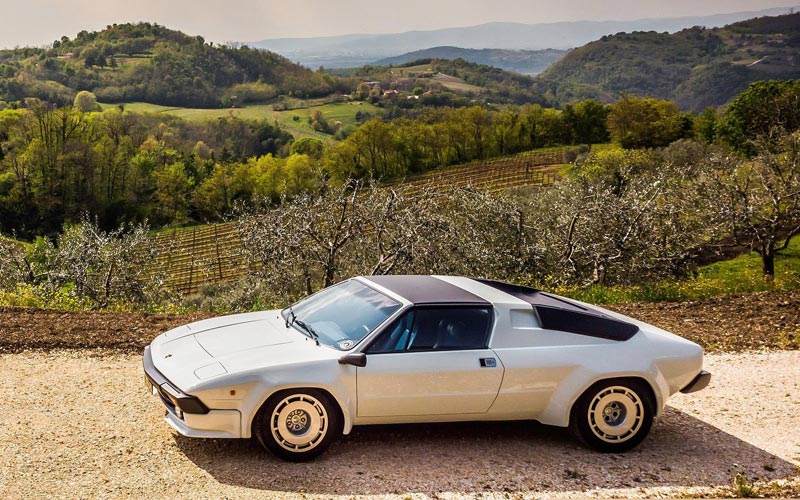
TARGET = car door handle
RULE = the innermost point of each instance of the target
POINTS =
(488, 362)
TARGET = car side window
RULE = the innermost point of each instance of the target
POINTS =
(436, 329)
(395, 337)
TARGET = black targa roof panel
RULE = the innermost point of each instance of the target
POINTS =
(557, 313)
(427, 290)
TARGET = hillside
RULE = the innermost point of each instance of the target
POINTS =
(696, 67)
(527, 62)
(449, 80)
(359, 49)
(148, 62)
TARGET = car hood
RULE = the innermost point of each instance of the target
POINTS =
(214, 347)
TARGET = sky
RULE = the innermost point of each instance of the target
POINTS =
(39, 22)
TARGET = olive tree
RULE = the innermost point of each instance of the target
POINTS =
(14, 264)
(101, 266)
(758, 201)
(316, 240)
(623, 217)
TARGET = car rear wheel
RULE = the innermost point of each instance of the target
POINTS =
(613, 416)
(297, 425)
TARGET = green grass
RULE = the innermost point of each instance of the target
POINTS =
(344, 112)
(739, 275)
(743, 273)
(420, 68)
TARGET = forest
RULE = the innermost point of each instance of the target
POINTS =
(121, 166)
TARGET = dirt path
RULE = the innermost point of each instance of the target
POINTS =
(79, 424)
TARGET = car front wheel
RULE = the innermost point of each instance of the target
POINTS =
(614, 415)
(297, 425)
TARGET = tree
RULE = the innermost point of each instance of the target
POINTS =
(587, 121)
(623, 217)
(102, 265)
(318, 122)
(308, 146)
(706, 124)
(86, 102)
(98, 266)
(15, 267)
(362, 91)
(758, 201)
(173, 187)
(644, 122)
(765, 110)
(299, 244)
(317, 239)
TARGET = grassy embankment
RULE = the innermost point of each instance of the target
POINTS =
(739, 275)
(294, 121)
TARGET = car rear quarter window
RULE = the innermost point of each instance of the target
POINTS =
(553, 318)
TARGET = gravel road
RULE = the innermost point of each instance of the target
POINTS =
(79, 424)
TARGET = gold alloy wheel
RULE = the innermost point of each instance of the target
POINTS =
(299, 422)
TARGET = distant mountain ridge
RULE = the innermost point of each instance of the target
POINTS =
(359, 49)
(527, 62)
(695, 67)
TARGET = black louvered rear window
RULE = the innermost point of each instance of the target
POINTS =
(585, 323)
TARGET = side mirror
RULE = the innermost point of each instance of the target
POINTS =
(355, 359)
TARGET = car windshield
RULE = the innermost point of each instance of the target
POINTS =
(342, 315)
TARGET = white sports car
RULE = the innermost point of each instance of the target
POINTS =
(402, 349)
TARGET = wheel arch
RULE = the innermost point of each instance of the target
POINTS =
(559, 410)
(339, 406)
(619, 381)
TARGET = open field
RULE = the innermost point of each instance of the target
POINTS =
(743, 273)
(80, 424)
(456, 84)
(344, 112)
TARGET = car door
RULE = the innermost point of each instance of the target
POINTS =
(431, 361)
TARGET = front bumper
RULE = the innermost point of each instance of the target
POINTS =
(698, 383)
(214, 424)
(173, 398)
(187, 414)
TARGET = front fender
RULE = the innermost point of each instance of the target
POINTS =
(336, 380)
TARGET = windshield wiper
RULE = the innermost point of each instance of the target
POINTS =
(307, 328)
(290, 313)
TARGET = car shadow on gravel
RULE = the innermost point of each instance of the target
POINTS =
(491, 456)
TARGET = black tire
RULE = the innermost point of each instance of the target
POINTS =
(298, 425)
(613, 415)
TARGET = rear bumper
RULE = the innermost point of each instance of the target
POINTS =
(698, 383)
